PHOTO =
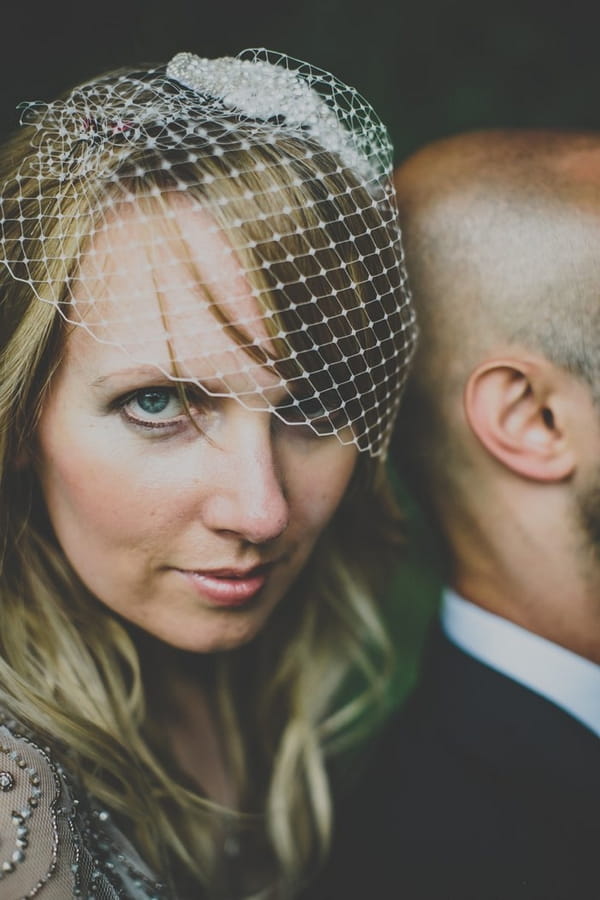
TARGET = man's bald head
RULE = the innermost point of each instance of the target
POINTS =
(502, 236)
(502, 231)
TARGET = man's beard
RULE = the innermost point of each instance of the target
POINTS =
(588, 508)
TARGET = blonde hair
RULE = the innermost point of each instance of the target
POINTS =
(310, 686)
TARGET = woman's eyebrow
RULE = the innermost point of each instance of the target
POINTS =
(152, 375)
(133, 372)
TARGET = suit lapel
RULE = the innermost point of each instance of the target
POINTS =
(488, 714)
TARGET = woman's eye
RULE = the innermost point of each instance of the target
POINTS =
(315, 414)
(154, 406)
(312, 411)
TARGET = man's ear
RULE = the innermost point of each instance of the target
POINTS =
(516, 410)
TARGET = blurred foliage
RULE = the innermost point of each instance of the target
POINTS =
(413, 596)
(430, 68)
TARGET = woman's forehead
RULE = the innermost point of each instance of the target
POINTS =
(163, 291)
(168, 275)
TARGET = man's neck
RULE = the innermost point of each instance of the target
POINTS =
(565, 613)
(516, 562)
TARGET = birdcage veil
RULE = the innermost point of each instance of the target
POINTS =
(231, 223)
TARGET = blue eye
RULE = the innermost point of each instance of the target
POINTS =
(153, 401)
(153, 407)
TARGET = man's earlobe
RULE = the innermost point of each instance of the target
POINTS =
(513, 408)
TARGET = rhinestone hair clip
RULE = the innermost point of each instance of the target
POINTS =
(257, 85)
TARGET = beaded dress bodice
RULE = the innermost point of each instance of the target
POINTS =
(55, 842)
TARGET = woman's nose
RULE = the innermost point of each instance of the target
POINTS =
(247, 493)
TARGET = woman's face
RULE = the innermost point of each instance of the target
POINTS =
(192, 533)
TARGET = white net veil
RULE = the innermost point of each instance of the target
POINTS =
(229, 223)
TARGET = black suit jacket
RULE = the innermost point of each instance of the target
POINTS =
(479, 790)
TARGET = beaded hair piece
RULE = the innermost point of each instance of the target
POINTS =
(229, 223)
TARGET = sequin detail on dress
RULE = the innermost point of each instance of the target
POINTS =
(56, 843)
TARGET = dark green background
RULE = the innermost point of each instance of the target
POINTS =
(430, 68)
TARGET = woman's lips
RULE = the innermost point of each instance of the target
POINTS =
(228, 587)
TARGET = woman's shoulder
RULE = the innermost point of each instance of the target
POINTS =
(54, 842)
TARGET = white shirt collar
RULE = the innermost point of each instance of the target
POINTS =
(563, 677)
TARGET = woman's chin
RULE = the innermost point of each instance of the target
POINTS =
(226, 636)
